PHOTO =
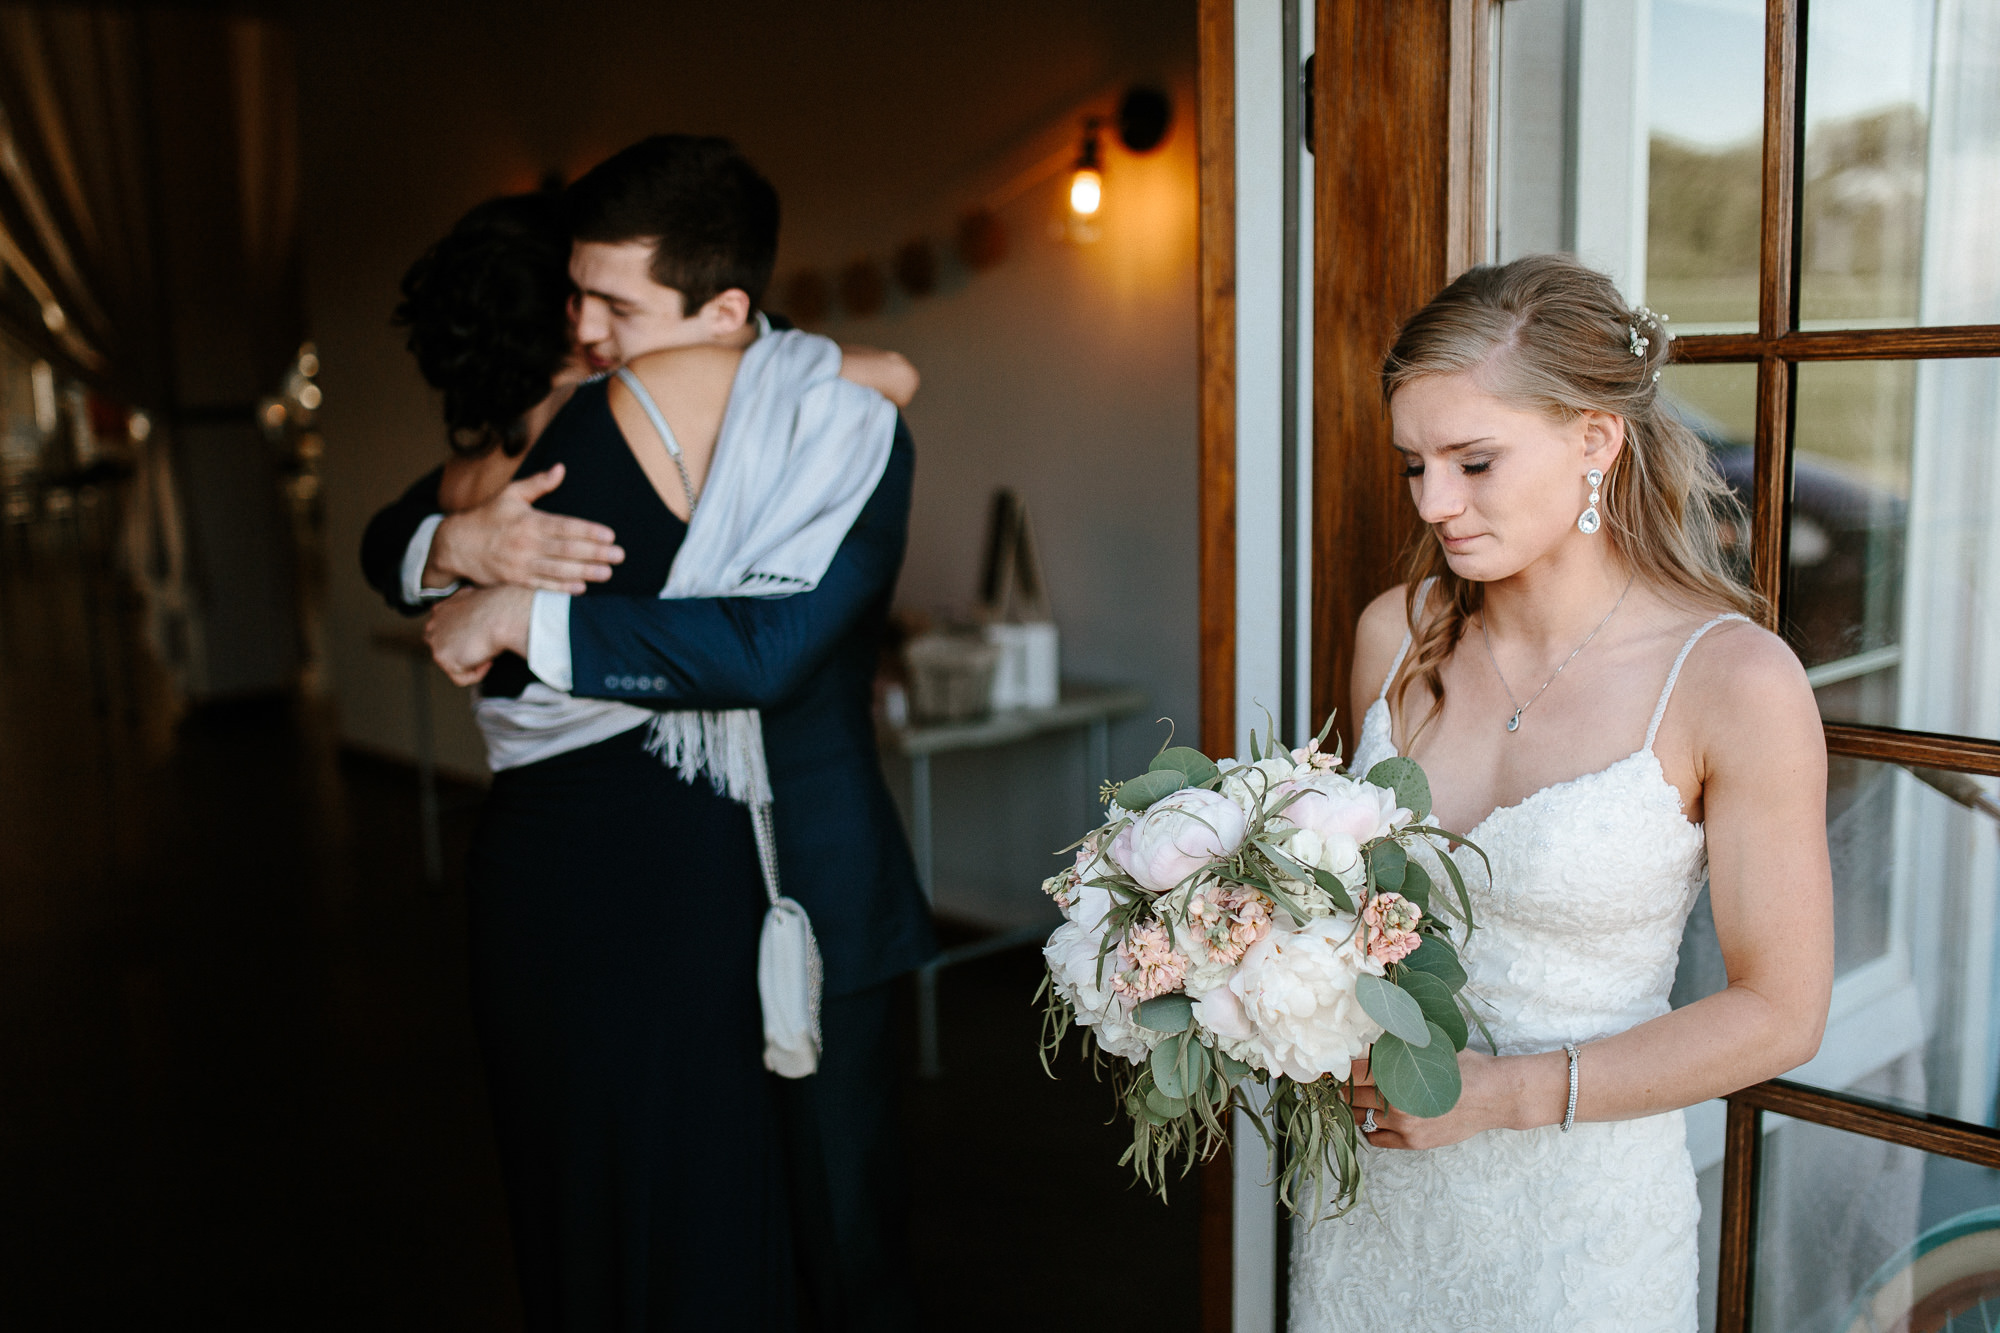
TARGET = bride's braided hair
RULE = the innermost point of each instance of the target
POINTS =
(1548, 333)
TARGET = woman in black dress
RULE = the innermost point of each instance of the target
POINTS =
(615, 908)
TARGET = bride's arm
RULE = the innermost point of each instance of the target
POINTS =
(1760, 757)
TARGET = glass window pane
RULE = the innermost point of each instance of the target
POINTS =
(1856, 1235)
(1720, 403)
(1893, 595)
(1902, 131)
(1704, 133)
(1629, 135)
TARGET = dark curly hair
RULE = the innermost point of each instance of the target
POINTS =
(487, 308)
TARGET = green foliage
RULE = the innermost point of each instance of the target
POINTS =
(1435, 999)
(1198, 769)
(1440, 960)
(1420, 1080)
(1416, 886)
(1167, 1013)
(1406, 778)
(1149, 787)
(1386, 863)
(1394, 1008)
(1331, 886)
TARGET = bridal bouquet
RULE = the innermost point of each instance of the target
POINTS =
(1263, 922)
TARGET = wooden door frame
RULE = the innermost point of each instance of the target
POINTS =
(1216, 136)
(1400, 186)
(1379, 87)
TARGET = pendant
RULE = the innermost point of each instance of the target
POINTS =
(1514, 722)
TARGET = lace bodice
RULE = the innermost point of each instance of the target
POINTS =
(1579, 927)
(1579, 930)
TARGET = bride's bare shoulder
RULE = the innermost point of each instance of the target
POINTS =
(1743, 686)
(1377, 636)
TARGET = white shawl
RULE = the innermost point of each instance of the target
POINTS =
(799, 454)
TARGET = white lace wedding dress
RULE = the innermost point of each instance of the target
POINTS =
(1578, 934)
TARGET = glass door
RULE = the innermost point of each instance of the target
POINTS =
(1809, 194)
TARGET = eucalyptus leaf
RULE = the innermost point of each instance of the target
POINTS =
(1149, 787)
(1197, 767)
(1161, 1108)
(1391, 1006)
(1330, 884)
(1386, 863)
(1417, 1080)
(1416, 886)
(1438, 958)
(1167, 1071)
(1234, 1071)
(1407, 780)
(1167, 1013)
(1194, 1066)
(1458, 886)
(1440, 1009)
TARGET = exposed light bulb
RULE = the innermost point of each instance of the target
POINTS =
(1086, 192)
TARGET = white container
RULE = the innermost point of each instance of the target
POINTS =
(1029, 671)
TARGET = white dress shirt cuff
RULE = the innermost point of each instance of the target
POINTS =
(415, 557)
(548, 639)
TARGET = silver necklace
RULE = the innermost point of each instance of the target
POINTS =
(1514, 722)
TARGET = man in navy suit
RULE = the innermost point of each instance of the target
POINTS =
(805, 661)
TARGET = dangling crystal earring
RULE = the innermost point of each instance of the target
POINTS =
(1588, 522)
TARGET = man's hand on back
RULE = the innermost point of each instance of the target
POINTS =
(509, 541)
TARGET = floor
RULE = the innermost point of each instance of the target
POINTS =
(237, 1082)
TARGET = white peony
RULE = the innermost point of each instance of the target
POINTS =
(1088, 907)
(1336, 853)
(1329, 804)
(1177, 836)
(1252, 786)
(1297, 991)
(1073, 966)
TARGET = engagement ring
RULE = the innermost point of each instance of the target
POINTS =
(1368, 1122)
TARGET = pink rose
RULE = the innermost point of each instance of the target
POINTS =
(1177, 836)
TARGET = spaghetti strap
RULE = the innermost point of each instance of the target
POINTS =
(1394, 667)
(1423, 595)
(1660, 709)
(653, 414)
(651, 409)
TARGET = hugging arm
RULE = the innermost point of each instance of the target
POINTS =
(735, 652)
(415, 554)
(386, 543)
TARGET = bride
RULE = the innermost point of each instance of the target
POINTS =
(1575, 667)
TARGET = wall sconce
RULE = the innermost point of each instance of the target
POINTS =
(1086, 182)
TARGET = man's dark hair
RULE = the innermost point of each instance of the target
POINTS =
(712, 218)
(487, 308)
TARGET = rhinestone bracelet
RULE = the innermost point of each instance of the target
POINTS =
(1569, 1116)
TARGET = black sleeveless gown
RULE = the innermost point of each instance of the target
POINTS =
(615, 912)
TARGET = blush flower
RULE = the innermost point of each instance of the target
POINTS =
(1177, 836)
(1391, 921)
(1329, 804)
(1227, 919)
(1155, 968)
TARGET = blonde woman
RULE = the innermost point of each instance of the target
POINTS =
(1585, 683)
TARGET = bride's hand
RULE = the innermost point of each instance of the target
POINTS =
(1487, 1102)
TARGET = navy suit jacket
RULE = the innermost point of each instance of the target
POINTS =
(807, 661)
